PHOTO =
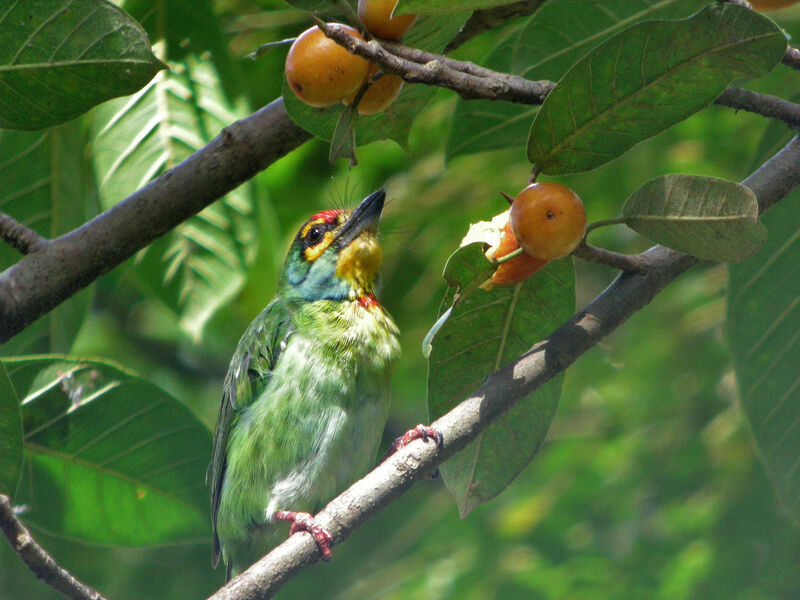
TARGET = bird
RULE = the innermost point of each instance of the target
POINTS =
(306, 396)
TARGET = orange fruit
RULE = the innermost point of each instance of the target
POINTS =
(321, 72)
(380, 94)
(517, 269)
(377, 17)
(548, 220)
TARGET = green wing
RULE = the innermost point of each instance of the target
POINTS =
(249, 372)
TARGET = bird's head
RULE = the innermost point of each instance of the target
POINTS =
(336, 254)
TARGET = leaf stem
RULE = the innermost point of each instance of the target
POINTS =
(603, 223)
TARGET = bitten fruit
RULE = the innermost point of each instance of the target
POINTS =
(321, 72)
(548, 220)
(515, 270)
(377, 17)
(379, 95)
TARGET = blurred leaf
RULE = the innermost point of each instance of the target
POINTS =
(445, 6)
(188, 27)
(646, 79)
(485, 331)
(763, 331)
(60, 58)
(311, 5)
(10, 436)
(706, 217)
(46, 182)
(429, 33)
(343, 144)
(199, 265)
(545, 47)
(110, 458)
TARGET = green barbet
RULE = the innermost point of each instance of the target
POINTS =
(306, 396)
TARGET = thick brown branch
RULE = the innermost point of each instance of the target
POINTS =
(628, 293)
(19, 236)
(37, 559)
(57, 270)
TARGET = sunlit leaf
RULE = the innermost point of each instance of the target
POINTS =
(46, 183)
(763, 331)
(485, 331)
(10, 436)
(429, 33)
(545, 47)
(62, 57)
(646, 79)
(706, 217)
(109, 457)
(200, 265)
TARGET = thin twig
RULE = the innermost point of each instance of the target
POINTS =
(792, 58)
(762, 104)
(416, 66)
(19, 236)
(489, 18)
(38, 560)
(629, 263)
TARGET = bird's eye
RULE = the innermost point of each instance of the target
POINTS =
(314, 235)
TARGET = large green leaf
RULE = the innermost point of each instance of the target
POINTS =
(200, 264)
(10, 436)
(109, 457)
(46, 182)
(763, 331)
(445, 6)
(59, 58)
(545, 47)
(485, 331)
(706, 217)
(646, 79)
(429, 33)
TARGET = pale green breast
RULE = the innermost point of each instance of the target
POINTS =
(316, 426)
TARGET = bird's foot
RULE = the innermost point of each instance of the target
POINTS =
(303, 521)
(420, 432)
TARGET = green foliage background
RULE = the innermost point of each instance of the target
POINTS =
(648, 484)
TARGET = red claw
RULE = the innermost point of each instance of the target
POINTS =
(303, 521)
(420, 432)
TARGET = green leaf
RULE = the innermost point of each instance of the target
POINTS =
(445, 6)
(343, 144)
(646, 79)
(312, 5)
(46, 182)
(10, 436)
(763, 332)
(60, 58)
(545, 47)
(429, 33)
(200, 265)
(485, 331)
(110, 458)
(706, 217)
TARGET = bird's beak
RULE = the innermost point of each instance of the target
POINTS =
(365, 216)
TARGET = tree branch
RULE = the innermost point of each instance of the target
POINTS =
(62, 267)
(762, 104)
(19, 236)
(626, 295)
(37, 559)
